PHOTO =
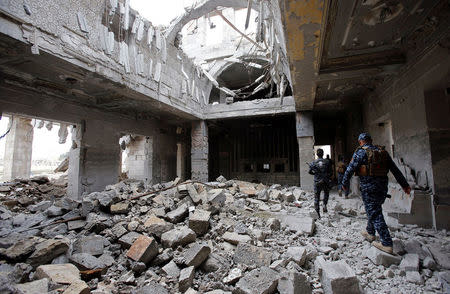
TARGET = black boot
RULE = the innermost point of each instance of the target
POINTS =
(325, 209)
(316, 206)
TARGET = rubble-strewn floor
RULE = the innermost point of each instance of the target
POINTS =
(227, 236)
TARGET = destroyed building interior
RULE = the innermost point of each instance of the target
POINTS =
(189, 145)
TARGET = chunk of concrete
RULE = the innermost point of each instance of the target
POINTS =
(120, 208)
(199, 221)
(157, 226)
(34, 287)
(171, 270)
(196, 255)
(90, 244)
(128, 239)
(85, 261)
(177, 215)
(302, 224)
(181, 236)
(78, 287)
(441, 256)
(233, 276)
(20, 250)
(258, 281)
(294, 283)
(46, 251)
(217, 196)
(151, 288)
(235, 238)
(144, 249)
(338, 278)
(193, 194)
(186, 278)
(297, 254)
(379, 257)
(410, 262)
(414, 277)
(59, 273)
(252, 255)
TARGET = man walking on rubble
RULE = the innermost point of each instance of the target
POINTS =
(340, 169)
(372, 164)
(321, 169)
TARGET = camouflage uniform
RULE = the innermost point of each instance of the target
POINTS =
(322, 170)
(373, 191)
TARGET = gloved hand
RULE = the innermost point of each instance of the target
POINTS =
(407, 190)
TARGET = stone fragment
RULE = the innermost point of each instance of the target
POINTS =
(118, 230)
(297, 254)
(193, 194)
(53, 211)
(85, 261)
(215, 262)
(177, 215)
(338, 278)
(429, 263)
(379, 257)
(34, 287)
(78, 287)
(258, 281)
(199, 221)
(181, 236)
(273, 224)
(151, 288)
(233, 276)
(288, 197)
(252, 255)
(21, 249)
(171, 270)
(157, 226)
(398, 247)
(144, 249)
(41, 206)
(235, 238)
(196, 255)
(294, 283)
(263, 195)
(128, 239)
(186, 278)
(120, 208)
(414, 277)
(441, 256)
(221, 179)
(92, 244)
(217, 196)
(414, 246)
(303, 224)
(410, 262)
(58, 273)
(46, 251)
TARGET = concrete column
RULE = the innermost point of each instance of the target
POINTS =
(94, 158)
(305, 139)
(199, 151)
(18, 149)
(181, 160)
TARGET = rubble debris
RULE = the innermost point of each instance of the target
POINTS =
(219, 237)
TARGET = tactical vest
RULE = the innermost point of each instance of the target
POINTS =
(377, 163)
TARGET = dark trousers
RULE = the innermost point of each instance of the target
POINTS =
(340, 177)
(375, 217)
(318, 187)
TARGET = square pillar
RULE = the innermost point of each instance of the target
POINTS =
(199, 151)
(18, 149)
(94, 158)
(305, 139)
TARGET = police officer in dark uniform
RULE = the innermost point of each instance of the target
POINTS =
(372, 164)
(322, 170)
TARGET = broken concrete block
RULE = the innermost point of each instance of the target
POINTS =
(118, 230)
(199, 221)
(217, 196)
(297, 254)
(128, 239)
(258, 281)
(120, 208)
(181, 236)
(171, 270)
(34, 287)
(338, 278)
(78, 287)
(156, 226)
(85, 261)
(273, 224)
(177, 215)
(58, 273)
(263, 195)
(196, 255)
(294, 283)
(151, 288)
(235, 238)
(441, 256)
(193, 194)
(380, 257)
(144, 249)
(186, 278)
(90, 244)
(288, 197)
(414, 277)
(233, 276)
(41, 206)
(302, 224)
(46, 251)
(410, 262)
(20, 250)
(429, 263)
(252, 255)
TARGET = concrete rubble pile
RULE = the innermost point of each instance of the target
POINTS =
(219, 237)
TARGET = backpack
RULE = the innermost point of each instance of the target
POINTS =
(377, 163)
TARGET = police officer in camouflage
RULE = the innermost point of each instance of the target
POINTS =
(372, 164)
(322, 170)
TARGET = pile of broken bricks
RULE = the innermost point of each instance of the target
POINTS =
(218, 237)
